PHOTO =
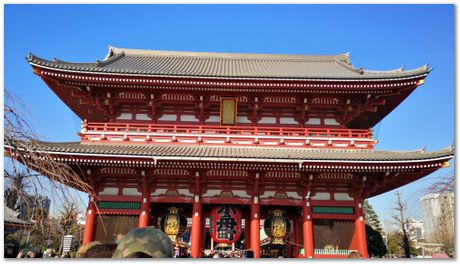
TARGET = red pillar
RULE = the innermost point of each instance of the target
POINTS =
(145, 212)
(307, 225)
(255, 228)
(195, 247)
(247, 236)
(296, 231)
(255, 219)
(360, 230)
(196, 230)
(88, 234)
(144, 216)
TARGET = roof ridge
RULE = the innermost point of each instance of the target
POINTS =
(224, 55)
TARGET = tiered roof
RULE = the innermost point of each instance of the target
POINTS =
(228, 65)
(241, 152)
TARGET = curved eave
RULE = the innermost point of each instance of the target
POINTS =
(96, 68)
(242, 154)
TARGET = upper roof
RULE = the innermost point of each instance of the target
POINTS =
(227, 65)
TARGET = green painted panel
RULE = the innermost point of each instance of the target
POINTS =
(332, 210)
(119, 205)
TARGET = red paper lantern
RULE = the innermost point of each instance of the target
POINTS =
(226, 224)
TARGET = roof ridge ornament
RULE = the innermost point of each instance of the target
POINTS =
(30, 56)
(347, 57)
(110, 53)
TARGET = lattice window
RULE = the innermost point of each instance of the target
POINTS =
(124, 171)
(131, 95)
(108, 227)
(171, 172)
(325, 100)
(279, 100)
(335, 176)
(332, 234)
(228, 173)
(177, 97)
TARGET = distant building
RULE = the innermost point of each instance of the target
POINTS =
(416, 230)
(11, 221)
(33, 202)
(437, 213)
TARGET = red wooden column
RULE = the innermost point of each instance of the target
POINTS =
(196, 221)
(307, 225)
(255, 219)
(247, 237)
(144, 216)
(90, 222)
(296, 232)
(360, 229)
(88, 234)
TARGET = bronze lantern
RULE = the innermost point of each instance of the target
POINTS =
(277, 227)
(173, 223)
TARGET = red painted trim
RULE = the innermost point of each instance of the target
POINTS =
(286, 202)
(119, 198)
(333, 216)
(333, 203)
(119, 211)
(171, 199)
(225, 200)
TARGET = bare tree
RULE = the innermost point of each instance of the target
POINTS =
(22, 145)
(444, 183)
(404, 224)
(29, 170)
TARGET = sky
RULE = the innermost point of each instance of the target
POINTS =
(378, 37)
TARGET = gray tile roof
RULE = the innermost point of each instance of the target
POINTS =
(227, 65)
(11, 217)
(168, 150)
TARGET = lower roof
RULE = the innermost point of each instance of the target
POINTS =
(11, 217)
(241, 153)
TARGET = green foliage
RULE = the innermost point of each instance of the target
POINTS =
(375, 244)
(11, 241)
(396, 244)
(371, 218)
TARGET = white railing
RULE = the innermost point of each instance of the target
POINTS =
(346, 252)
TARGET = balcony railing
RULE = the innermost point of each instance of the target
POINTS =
(235, 135)
(342, 252)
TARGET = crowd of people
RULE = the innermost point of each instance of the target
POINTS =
(147, 242)
(230, 254)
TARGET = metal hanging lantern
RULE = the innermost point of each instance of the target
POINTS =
(173, 224)
(225, 225)
(277, 227)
